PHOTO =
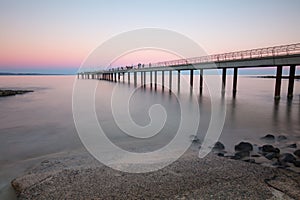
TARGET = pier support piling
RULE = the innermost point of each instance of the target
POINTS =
(278, 82)
(191, 78)
(224, 79)
(235, 76)
(178, 80)
(201, 81)
(291, 81)
(155, 80)
(134, 78)
(151, 79)
(163, 79)
(170, 80)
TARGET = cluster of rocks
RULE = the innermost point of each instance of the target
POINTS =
(247, 152)
(5, 93)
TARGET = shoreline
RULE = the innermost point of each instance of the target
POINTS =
(79, 175)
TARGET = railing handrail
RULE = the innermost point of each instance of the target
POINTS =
(282, 50)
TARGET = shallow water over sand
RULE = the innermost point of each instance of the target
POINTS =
(37, 124)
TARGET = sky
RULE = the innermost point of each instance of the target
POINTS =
(56, 36)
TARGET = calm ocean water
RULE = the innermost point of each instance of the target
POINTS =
(37, 124)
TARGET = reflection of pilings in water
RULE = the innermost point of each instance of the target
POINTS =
(288, 114)
(275, 113)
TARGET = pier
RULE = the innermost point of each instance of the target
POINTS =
(277, 56)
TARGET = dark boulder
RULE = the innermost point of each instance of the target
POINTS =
(268, 137)
(269, 148)
(219, 146)
(297, 153)
(297, 163)
(243, 146)
(286, 158)
(241, 154)
(194, 138)
(271, 155)
(281, 137)
(294, 146)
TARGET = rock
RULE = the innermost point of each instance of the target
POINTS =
(221, 154)
(281, 137)
(243, 146)
(292, 146)
(241, 154)
(269, 148)
(286, 158)
(255, 156)
(297, 163)
(219, 146)
(271, 155)
(250, 160)
(194, 138)
(268, 137)
(297, 153)
(5, 93)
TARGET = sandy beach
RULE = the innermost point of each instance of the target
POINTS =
(79, 176)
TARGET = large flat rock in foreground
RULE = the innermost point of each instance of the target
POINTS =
(81, 177)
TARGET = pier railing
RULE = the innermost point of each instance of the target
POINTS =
(275, 51)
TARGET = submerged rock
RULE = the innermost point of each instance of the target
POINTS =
(292, 146)
(297, 163)
(269, 148)
(243, 146)
(297, 153)
(268, 137)
(286, 158)
(281, 137)
(241, 154)
(271, 155)
(5, 93)
(219, 146)
(194, 138)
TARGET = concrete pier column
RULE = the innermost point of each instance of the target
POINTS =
(151, 79)
(115, 74)
(201, 81)
(155, 79)
(142, 82)
(191, 78)
(170, 80)
(123, 76)
(278, 82)
(224, 79)
(128, 74)
(234, 86)
(291, 81)
(134, 78)
(119, 76)
(145, 78)
(163, 79)
(178, 80)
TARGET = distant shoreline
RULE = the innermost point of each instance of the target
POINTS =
(284, 77)
(32, 74)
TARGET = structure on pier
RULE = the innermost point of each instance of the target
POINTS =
(278, 56)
